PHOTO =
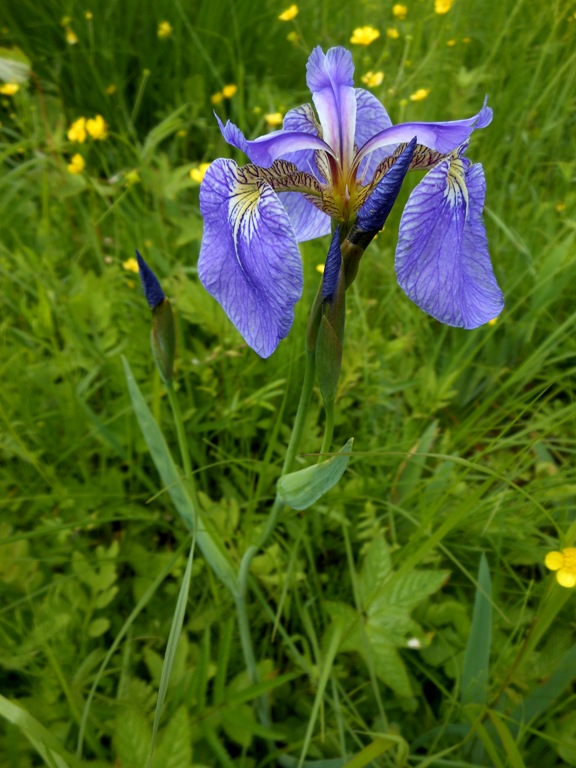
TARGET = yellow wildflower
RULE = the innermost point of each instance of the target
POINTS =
(71, 36)
(131, 265)
(164, 30)
(197, 174)
(77, 131)
(564, 563)
(289, 13)
(273, 119)
(216, 98)
(97, 127)
(466, 39)
(131, 177)
(89, 15)
(111, 89)
(76, 164)
(392, 33)
(320, 268)
(229, 90)
(364, 36)
(373, 79)
(399, 11)
(9, 89)
(420, 94)
(493, 321)
(451, 43)
(443, 6)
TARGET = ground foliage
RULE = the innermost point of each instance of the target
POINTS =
(377, 623)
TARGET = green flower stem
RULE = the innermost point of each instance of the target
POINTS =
(182, 442)
(244, 569)
(301, 413)
(328, 431)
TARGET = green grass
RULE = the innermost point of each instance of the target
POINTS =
(464, 442)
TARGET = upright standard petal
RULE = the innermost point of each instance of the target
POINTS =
(371, 118)
(330, 77)
(442, 260)
(249, 259)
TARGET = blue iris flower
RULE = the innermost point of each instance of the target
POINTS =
(330, 164)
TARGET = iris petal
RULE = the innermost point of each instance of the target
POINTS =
(249, 259)
(441, 137)
(330, 77)
(371, 118)
(278, 144)
(307, 220)
(442, 260)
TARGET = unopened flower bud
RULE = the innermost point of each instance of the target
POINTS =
(162, 334)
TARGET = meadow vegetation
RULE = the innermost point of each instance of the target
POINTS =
(406, 618)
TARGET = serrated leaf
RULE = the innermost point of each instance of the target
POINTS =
(131, 738)
(301, 489)
(175, 745)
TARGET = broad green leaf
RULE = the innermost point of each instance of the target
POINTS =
(301, 489)
(477, 656)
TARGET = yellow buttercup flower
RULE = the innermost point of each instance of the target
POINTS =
(9, 89)
(131, 265)
(197, 174)
(420, 94)
(71, 36)
(451, 43)
(164, 30)
(229, 90)
(399, 11)
(88, 15)
(273, 119)
(443, 6)
(564, 563)
(373, 79)
(76, 164)
(364, 36)
(77, 131)
(97, 128)
(131, 177)
(392, 33)
(216, 98)
(289, 13)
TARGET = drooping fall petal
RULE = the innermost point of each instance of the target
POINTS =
(249, 259)
(442, 260)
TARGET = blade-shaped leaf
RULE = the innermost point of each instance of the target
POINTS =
(175, 485)
(301, 489)
(477, 656)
